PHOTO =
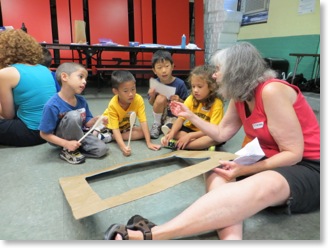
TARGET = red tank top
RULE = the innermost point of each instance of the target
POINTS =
(255, 125)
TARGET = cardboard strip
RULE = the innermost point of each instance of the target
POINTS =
(84, 201)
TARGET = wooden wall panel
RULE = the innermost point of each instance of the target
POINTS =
(64, 28)
(34, 13)
(109, 19)
(76, 10)
(63, 22)
(143, 18)
(137, 14)
(199, 30)
(143, 25)
(76, 13)
(171, 25)
(67, 13)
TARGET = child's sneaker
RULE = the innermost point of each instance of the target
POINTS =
(211, 148)
(172, 144)
(105, 136)
(215, 148)
(155, 131)
(169, 120)
(165, 129)
(74, 157)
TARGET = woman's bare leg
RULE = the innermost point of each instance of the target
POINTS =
(224, 206)
(234, 232)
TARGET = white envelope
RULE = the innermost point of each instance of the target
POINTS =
(250, 153)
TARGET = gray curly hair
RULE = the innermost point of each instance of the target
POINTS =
(242, 69)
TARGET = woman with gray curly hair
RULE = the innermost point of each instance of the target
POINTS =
(278, 115)
(25, 86)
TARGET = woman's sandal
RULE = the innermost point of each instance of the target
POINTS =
(138, 223)
(115, 229)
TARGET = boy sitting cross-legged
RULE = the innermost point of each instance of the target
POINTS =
(120, 107)
(66, 115)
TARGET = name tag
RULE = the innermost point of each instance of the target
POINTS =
(258, 125)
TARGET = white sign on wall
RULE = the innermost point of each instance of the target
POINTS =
(306, 6)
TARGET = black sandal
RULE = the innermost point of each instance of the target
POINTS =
(115, 229)
(138, 223)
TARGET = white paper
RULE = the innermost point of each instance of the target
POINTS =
(250, 154)
(306, 6)
(163, 89)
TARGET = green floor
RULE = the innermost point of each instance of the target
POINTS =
(33, 206)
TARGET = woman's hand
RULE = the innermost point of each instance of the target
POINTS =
(175, 98)
(179, 109)
(229, 170)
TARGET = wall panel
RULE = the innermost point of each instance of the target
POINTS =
(76, 13)
(34, 13)
(64, 28)
(143, 25)
(109, 19)
(137, 15)
(67, 13)
(172, 19)
(63, 22)
(146, 21)
(199, 30)
(281, 47)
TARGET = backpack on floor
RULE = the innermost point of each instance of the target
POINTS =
(314, 85)
(300, 81)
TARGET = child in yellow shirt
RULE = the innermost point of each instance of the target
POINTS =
(120, 107)
(205, 103)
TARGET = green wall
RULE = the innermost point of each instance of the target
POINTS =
(281, 47)
(285, 32)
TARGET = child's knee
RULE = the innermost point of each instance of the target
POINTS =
(161, 99)
(73, 118)
(102, 150)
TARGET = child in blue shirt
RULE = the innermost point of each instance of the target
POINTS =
(163, 66)
(67, 114)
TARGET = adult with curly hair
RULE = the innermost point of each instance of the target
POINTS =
(25, 86)
(288, 131)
